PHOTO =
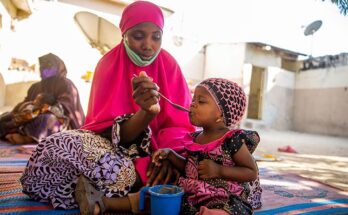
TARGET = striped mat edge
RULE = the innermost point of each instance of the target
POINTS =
(335, 206)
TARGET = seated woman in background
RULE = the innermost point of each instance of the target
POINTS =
(53, 81)
(28, 111)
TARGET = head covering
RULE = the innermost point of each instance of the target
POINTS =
(111, 91)
(139, 12)
(53, 73)
(51, 65)
(229, 97)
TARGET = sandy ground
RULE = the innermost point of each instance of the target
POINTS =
(304, 143)
(321, 158)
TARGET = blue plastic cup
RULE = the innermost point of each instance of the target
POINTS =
(165, 199)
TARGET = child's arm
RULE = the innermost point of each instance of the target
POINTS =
(177, 160)
(244, 170)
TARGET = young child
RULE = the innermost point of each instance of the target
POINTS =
(218, 163)
(29, 110)
(43, 103)
(218, 166)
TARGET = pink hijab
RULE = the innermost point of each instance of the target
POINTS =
(111, 93)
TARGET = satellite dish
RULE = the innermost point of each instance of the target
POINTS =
(100, 33)
(313, 27)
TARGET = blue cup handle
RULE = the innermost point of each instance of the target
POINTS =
(143, 191)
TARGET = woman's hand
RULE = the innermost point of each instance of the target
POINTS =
(208, 169)
(145, 93)
(162, 174)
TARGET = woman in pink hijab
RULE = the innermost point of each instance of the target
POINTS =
(125, 121)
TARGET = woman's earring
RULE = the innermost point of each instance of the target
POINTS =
(218, 120)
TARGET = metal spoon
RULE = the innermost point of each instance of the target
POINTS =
(179, 107)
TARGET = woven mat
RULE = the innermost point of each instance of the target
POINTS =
(283, 193)
(329, 170)
(13, 159)
(287, 193)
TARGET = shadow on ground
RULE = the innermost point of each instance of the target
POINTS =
(329, 170)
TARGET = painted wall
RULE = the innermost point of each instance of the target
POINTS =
(309, 101)
(234, 62)
(321, 101)
(279, 98)
(277, 109)
(261, 58)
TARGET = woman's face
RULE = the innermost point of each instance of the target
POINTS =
(203, 110)
(144, 39)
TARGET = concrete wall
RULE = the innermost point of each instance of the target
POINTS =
(277, 109)
(262, 58)
(279, 98)
(321, 101)
(12, 94)
(235, 61)
(314, 101)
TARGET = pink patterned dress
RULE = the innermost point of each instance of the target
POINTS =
(216, 193)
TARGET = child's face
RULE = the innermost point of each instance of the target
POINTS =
(203, 111)
(38, 99)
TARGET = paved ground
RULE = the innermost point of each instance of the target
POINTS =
(321, 158)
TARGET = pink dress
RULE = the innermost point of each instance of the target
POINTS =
(215, 193)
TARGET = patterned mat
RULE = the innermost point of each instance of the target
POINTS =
(282, 193)
(292, 194)
(13, 159)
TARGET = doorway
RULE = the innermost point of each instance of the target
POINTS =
(256, 93)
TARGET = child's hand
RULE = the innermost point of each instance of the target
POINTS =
(208, 169)
(160, 155)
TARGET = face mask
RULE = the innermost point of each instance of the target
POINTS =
(136, 59)
(46, 73)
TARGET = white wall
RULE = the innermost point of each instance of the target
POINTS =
(333, 77)
(262, 58)
(279, 98)
(277, 103)
(321, 101)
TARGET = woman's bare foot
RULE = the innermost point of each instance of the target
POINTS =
(88, 198)
(96, 209)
